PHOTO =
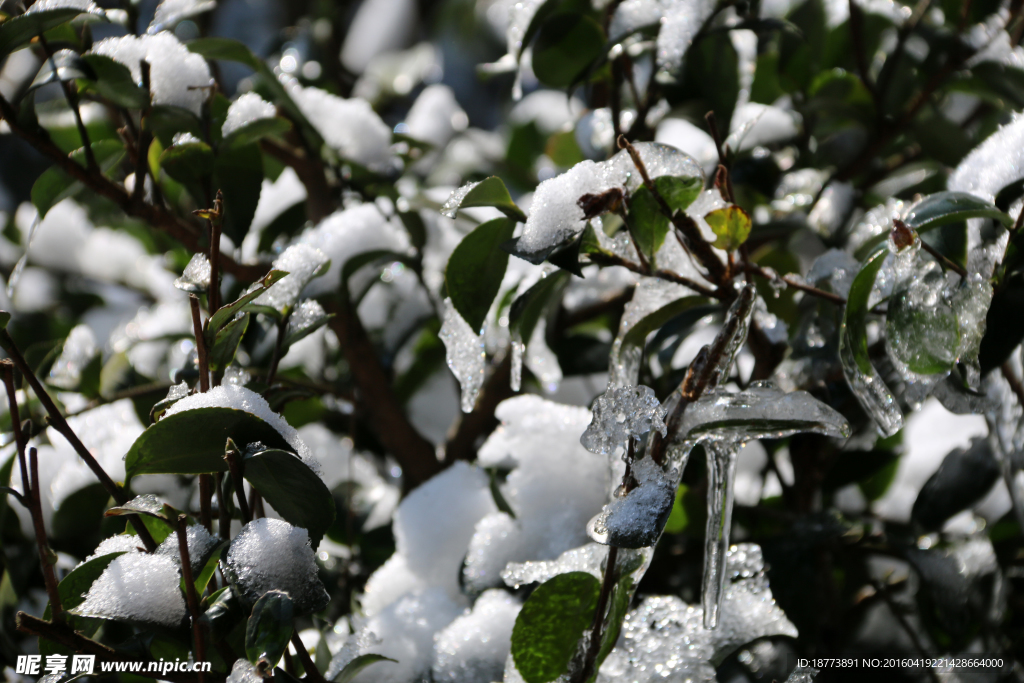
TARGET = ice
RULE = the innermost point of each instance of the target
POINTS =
(345, 234)
(802, 674)
(138, 588)
(196, 276)
(79, 350)
(590, 558)
(244, 672)
(350, 126)
(200, 545)
(436, 116)
(993, 164)
(464, 350)
(755, 125)
(971, 302)
(473, 648)
(636, 519)
(240, 398)
(633, 15)
(664, 638)
(307, 315)
(689, 138)
(170, 12)
(683, 19)
(177, 77)
(555, 487)
(836, 268)
(247, 108)
(270, 554)
(621, 414)
(302, 262)
(451, 206)
(650, 295)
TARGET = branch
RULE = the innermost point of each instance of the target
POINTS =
(796, 284)
(197, 329)
(609, 259)
(231, 455)
(312, 673)
(190, 590)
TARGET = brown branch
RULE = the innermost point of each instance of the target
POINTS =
(944, 260)
(609, 259)
(61, 425)
(796, 284)
(190, 591)
(232, 456)
(62, 634)
(312, 673)
(597, 629)
(45, 554)
(197, 330)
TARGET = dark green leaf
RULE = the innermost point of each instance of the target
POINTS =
(227, 313)
(652, 321)
(526, 310)
(965, 476)
(476, 268)
(203, 579)
(72, 590)
(55, 185)
(566, 46)
(294, 490)
(238, 172)
(551, 623)
(295, 334)
(165, 122)
(358, 664)
(113, 81)
(256, 131)
(188, 163)
(225, 344)
(192, 441)
(18, 31)
(732, 226)
(1004, 324)
(270, 627)
(950, 207)
(678, 192)
(492, 192)
(647, 222)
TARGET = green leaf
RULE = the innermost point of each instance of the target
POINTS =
(192, 441)
(648, 223)
(1004, 324)
(621, 595)
(165, 121)
(188, 163)
(63, 66)
(203, 579)
(924, 338)
(5, 318)
(352, 669)
(226, 314)
(17, 32)
(294, 334)
(527, 309)
(492, 192)
(72, 590)
(256, 131)
(55, 185)
(950, 207)
(476, 268)
(238, 172)
(146, 504)
(113, 81)
(226, 49)
(731, 225)
(225, 344)
(551, 623)
(864, 380)
(566, 46)
(678, 192)
(637, 334)
(269, 628)
(678, 520)
(294, 490)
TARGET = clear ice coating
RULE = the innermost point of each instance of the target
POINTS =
(836, 268)
(79, 349)
(636, 519)
(450, 208)
(464, 350)
(179, 390)
(665, 639)
(196, 276)
(139, 588)
(721, 480)
(270, 554)
(589, 558)
(249, 107)
(302, 262)
(621, 414)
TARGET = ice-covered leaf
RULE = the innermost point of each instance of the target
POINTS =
(17, 32)
(551, 623)
(942, 208)
(488, 192)
(138, 588)
(146, 504)
(192, 442)
(922, 333)
(269, 554)
(200, 546)
(864, 380)
(196, 276)
(963, 478)
(464, 350)
(637, 334)
(476, 268)
(647, 223)
(72, 590)
(731, 225)
(64, 65)
(678, 191)
(621, 414)
(567, 44)
(353, 668)
(293, 489)
(55, 185)
(637, 519)
(302, 263)
(227, 313)
(270, 627)
(475, 646)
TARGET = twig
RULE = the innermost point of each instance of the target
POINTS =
(908, 629)
(944, 260)
(231, 455)
(661, 273)
(215, 217)
(197, 329)
(308, 664)
(796, 284)
(72, 97)
(61, 425)
(597, 629)
(190, 591)
(206, 501)
(275, 360)
(223, 519)
(49, 578)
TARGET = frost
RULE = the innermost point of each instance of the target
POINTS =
(302, 263)
(636, 519)
(244, 672)
(269, 554)
(79, 350)
(248, 108)
(196, 276)
(474, 647)
(137, 587)
(451, 206)
(621, 414)
(170, 12)
(350, 126)
(464, 350)
(309, 314)
(200, 545)
(664, 638)
(178, 77)
(240, 398)
(555, 487)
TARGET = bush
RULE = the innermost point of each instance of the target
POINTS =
(730, 296)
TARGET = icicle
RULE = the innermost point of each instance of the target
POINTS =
(721, 477)
(465, 354)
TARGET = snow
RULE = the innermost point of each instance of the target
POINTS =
(556, 486)
(137, 587)
(621, 414)
(118, 543)
(306, 315)
(200, 545)
(590, 558)
(754, 125)
(464, 351)
(177, 77)
(79, 349)
(436, 116)
(270, 554)
(683, 19)
(240, 398)
(475, 645)
(350, 126)
(44, 5)
(170, 12)
(196, 276)
(378, 27)
(689, 138)
(302, 262)
(636, 519)
(632, 15)
(249, 107)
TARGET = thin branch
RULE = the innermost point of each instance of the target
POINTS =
(282, 328)
(61, 425)
(215, 218)
(197, 329)
(796, 284)
(312, 673)
(944, 260)
(232, 456)
(661, 273)
(190, 591)
(49, 577)
(223, 518)
(72, 97)
(206, 501)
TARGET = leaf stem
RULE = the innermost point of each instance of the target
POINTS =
(945, 260)
(190, 591)
(197, 329)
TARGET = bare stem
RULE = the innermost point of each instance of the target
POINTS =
(206, 501)
(796, 284)
(312, 673)
(190, 591)
(71, 95)
(282, 328)
(197, 329)
(944, 260)
(235, 467)
(49, 578)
